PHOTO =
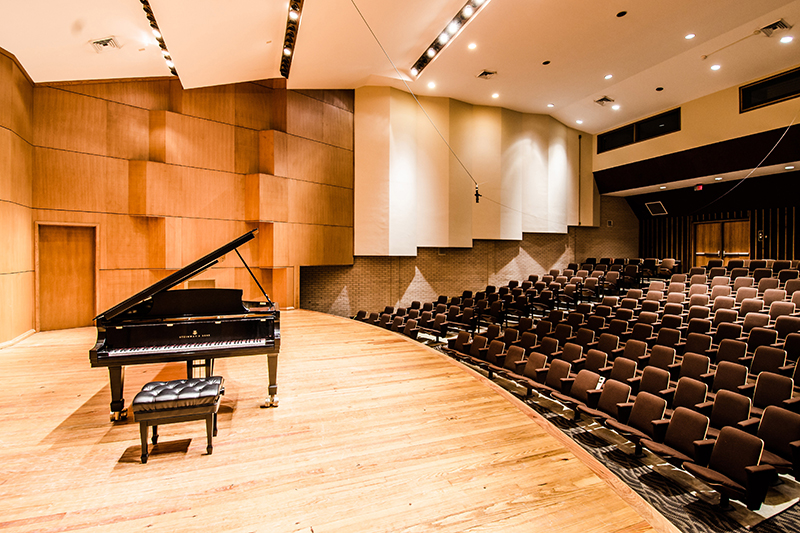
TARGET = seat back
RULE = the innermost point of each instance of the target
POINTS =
(685, 427)
(668, 337)
(697, 343)
(646, 408)
(557, 371)
(585, 381)
(731, 350)
(729, 409)
(688, 393)
(534, 362)
(760, 336)
(733, 451)
(779, 428)
(654, 380)
(478, 342)
(496, 348)
(595, 360)
(622, 370)
(662, 356)
(571, 352)
(607, 343)
(614, 393)
(729, 376)
(514, 355)
(771, 389)
(410, 329)
(634, 349)
(767, 359)
(694, 365)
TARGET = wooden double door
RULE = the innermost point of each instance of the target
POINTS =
(721, 240)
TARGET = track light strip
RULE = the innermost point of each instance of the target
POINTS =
(159, 38)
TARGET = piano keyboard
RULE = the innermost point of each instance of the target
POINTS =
(190, 347)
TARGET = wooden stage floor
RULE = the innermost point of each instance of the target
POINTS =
(374, 433)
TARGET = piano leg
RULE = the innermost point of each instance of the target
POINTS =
(116, 375)
(272, 366)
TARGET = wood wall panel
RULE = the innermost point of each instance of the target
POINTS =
(158, 189)
(16, 239)
(321, 163)
(128, 132)
(266, 198)
(201, 236)
(313, 203)
(193, 142)
(253, 109)
(16, 99)
(246, 151)
(341, 98)
(337, 127)
(150, 94)
(115, 286)
(16, 305)
(305, 244)
(212, 103)
(16, 168)
(79, 182)
(69, 121)
(303, 116)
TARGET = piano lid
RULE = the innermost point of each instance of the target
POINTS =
(178, 277)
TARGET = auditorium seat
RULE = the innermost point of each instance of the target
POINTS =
(680, 438)
(635, 421)
(575, 391)
(780, 431)
(734, 470)
(603, 404)
(771, 389)
(652, 380)
(728, 376)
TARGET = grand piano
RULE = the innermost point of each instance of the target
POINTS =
(159, 325)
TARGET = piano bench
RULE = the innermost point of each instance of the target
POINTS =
(180, 400)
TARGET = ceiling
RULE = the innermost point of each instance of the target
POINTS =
(214, 42)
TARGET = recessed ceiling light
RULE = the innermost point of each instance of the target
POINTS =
(294, 15)
(787, 39)
(444, 37)
(789, 167)
(431, 85)
(609, 76)
(715, 67)
(551, 105)
(718, 178)
(472, 46)
(496, 95)
(690, 36)
(663, 187)
(546, 62)
(579, 121)
(431, 52)
(622, 14)
(659, 89)
(615, 107)
(468, 11)
(287, 52)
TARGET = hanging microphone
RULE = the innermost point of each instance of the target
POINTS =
(477, 195)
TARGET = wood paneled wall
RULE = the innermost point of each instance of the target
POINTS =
(16, 175)
(167, 175)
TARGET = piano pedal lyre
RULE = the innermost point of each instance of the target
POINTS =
(118, 416)
(272, 401)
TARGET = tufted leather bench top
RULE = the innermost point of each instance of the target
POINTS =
(179, 393)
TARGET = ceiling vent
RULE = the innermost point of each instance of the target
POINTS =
(769, 29)
(106, 44)
(603, 100)
(486, 74)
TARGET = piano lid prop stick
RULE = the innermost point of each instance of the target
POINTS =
(253, 276)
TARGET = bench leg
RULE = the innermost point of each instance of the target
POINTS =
(155, 435)
(143, 434)
(210, 432)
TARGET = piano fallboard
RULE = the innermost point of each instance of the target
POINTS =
(162, 342)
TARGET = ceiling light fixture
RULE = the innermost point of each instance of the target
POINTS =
(715, 67)
(148, 11)
(551, 105)
(472, 46)
(456, 25)
(787, 39)
(663, 187)
(609, 76)
(789, 167)
(431, 85)
(690, 36)
(718, 178)
(615, 107)
(496, 95)
(579, 121)
(290, 36)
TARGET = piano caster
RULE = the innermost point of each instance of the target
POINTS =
(272, 401)
(118, 416)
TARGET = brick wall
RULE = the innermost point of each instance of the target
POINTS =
(374, 282)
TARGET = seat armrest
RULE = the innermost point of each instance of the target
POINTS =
(704, 408)
(541, 374)
(482, 353)
(519, 366)
(750, 425)
(702, 451)
(605, 371)
(792, 404)
(592, 398)
(674, 370)
(747, 389)
(624, 412)
(759, 479)
(786, 370)
(566, 385)
(707, 378)
(668, 394)
(634, 383)
(660, 429)
(578, 365)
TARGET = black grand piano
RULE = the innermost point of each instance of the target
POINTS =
(159, 325)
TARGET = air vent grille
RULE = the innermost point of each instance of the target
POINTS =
(105, 44)
(769, 29)
(486, 74)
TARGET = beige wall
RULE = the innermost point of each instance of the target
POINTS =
(372, 283)
(707, 120)
(166, 175)
(412, 191)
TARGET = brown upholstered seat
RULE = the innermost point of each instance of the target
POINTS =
(635, 421)
(780, 431)
(734, 469)
(679, 438)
